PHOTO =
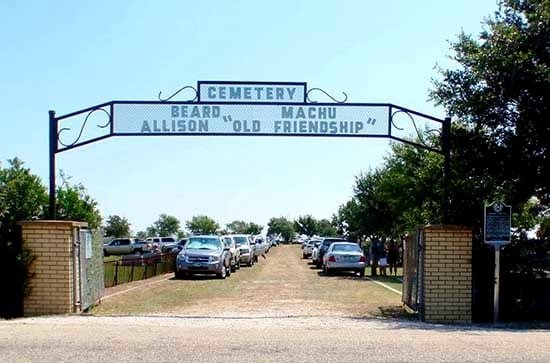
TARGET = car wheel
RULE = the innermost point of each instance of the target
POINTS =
(179, 275)
(362, 273)
(105, 253)
(228, 269)
(327, 271)
(223, 274)
(238, 265)
(250, 262)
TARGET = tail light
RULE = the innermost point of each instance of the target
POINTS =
(331, 259)
(362, 259)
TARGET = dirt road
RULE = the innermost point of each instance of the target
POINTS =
(283, 284)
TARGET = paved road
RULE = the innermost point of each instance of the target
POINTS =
(303, 339)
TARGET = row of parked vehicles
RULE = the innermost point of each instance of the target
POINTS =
(334, 254)
(124, 246)
(219, 255)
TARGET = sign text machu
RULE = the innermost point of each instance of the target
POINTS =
(261, 119)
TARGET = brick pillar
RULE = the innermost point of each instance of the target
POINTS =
(447, 272)
(51, 284)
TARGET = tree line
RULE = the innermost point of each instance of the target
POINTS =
(167, 225)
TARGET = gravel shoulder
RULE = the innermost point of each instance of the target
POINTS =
(304, 339)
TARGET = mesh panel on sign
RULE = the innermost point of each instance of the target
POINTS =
(345, 120)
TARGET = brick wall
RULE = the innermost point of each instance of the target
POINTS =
(51, 284)
(447, 274)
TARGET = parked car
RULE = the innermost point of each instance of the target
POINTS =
(323, 247)
(181, 244)
(163, 244)
(204, 255)
(260, 245)
(246, 248)
(315, 253)
(235, 252)
(123, 246)
(308, 247)
(344, 256)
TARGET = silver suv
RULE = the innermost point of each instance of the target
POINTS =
(235, 252)
(246, 248)
(204, 255)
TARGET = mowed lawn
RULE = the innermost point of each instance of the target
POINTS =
(283, 284)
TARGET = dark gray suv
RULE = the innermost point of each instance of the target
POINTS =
(204, 255)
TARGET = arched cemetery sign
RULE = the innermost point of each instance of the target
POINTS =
(221, 108)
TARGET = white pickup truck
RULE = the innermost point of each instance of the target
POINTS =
(123, 246)
(162, 244)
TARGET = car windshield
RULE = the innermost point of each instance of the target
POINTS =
(203, 243)
(348, 247)
(241, 240)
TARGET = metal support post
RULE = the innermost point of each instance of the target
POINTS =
(496, 300)
(53, 151)
(446, 147)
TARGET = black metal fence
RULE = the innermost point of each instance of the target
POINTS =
(138, 267)
(524, 281)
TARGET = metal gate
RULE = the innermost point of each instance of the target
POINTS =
(90, 261)
(413, 262)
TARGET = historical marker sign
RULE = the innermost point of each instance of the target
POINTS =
(498, 221)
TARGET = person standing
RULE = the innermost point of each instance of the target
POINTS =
(393, 257)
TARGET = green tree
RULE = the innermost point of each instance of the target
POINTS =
(22, 197)
(306, 225)
(500, 92)
(324, 227)
(166, 225)
(242, 227)
(74, 203)
(116, 226)
(281, 226)
(254, 228)
(237, 227)
(202, 225)
(141, 234)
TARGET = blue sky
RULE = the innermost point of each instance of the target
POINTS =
(67, 55)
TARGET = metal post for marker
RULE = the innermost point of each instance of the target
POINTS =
(497, 224)
(496, 296)
(53, 149)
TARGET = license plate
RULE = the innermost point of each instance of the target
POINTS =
(349, 258)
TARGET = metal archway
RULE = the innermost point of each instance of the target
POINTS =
(222, 108)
